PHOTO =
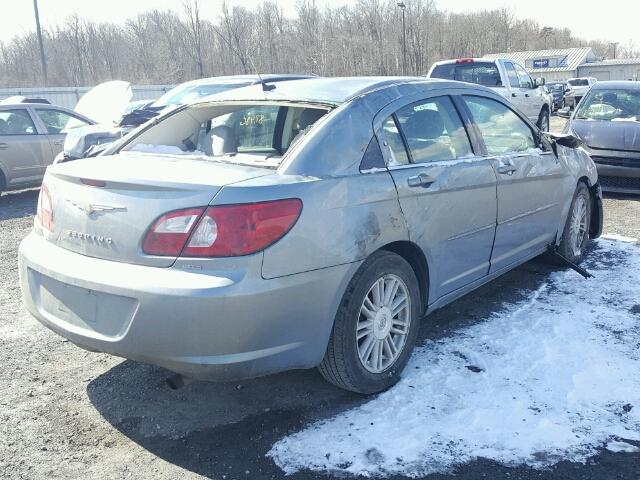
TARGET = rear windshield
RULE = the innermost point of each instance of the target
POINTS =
(481, 73)
(579, 82)
(250, 134)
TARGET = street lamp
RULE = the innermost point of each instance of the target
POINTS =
(402, 6)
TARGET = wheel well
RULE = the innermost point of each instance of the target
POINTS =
(3, 181)
(544, 108)
(415, 257)
(596, 221)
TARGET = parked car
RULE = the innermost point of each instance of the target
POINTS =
(608, 123)
(92, 141)
(578, 88)
(506, 77)
(32, 132)
(310, 225)
(557, 90)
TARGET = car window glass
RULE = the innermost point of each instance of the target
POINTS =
(514, 81)
(434, 131)
(58, 121)
(502, 130)
(481, 73)
(525, 79)
(16, 122)
(394, 146)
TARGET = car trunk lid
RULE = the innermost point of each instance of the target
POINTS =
(103, 206)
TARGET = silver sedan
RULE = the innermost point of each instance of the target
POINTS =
(308, 223)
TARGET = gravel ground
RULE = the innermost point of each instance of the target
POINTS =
(67, 413)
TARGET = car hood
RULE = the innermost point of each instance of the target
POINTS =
(606, 135)
(105, 102)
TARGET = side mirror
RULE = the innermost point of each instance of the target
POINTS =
(539, 82)
(564, 139)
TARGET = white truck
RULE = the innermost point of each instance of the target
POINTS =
(578, 88)
(507, 78)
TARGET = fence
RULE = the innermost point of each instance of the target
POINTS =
(69, 96)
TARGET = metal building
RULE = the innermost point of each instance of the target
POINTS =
(552, 65)
(618, 69)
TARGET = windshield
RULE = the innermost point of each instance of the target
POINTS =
(189, 92)
(250, 134)
(481, 73)
(579, 82)
(558, 87)
(610, 104)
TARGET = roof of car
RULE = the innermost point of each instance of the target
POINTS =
(330, 90)
(248, 79)
(617, 84)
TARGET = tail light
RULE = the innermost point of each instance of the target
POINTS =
(222, 231)
(44, 212)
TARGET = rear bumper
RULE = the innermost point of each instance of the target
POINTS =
(204, 326)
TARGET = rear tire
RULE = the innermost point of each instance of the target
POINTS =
(375, 330)
(543, 120)
(575, 236)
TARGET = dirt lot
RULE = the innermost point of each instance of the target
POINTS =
(67, 413)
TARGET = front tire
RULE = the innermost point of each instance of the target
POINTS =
(575, 236)
(375, 327)
(543, 120)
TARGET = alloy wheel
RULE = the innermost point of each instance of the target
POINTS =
(383, 323)
(578, 229)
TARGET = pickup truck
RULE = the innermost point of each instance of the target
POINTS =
(578, 88)
(507, 78)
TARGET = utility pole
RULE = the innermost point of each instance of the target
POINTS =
(43, 63)
(402, 6)
(614, 45)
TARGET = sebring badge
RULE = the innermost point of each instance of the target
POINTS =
(99, 239)
(90, 208)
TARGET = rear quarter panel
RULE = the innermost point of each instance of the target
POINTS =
(343, 219)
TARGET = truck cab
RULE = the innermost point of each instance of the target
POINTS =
(506, 77)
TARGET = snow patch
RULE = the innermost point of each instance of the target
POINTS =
(625, 447)
(556, 378)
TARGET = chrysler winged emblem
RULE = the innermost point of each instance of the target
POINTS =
(89, 208)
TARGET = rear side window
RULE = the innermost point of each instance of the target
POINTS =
(16, 122)
(393, 143)
(433, 131)
(523, 76)
(502, 130)
(481, 73)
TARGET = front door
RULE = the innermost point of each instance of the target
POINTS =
(446, 191)
(530, 181)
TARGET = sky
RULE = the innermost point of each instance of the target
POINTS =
(617, 22)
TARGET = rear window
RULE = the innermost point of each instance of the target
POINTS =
(579, 82)
(253, 134)
(481, 73)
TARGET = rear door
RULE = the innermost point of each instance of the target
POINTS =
(447, 192)
(22, 147)
(531, 96)
(516, 96)
(530, 181)
(57, 123)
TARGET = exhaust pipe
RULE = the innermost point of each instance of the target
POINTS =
(177, 381)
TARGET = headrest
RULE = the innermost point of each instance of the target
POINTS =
(309, 116)
(424, 124)
(223, 140)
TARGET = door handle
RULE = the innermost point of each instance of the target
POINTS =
(4, 145)
(514, 94)
(420, 180)
(506, 168)
(526, 95)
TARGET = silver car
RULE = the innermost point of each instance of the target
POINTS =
(31, 135)
(313, 224)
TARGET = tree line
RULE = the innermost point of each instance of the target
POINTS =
(365, 38)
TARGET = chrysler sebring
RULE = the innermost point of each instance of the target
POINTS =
(308, 223)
